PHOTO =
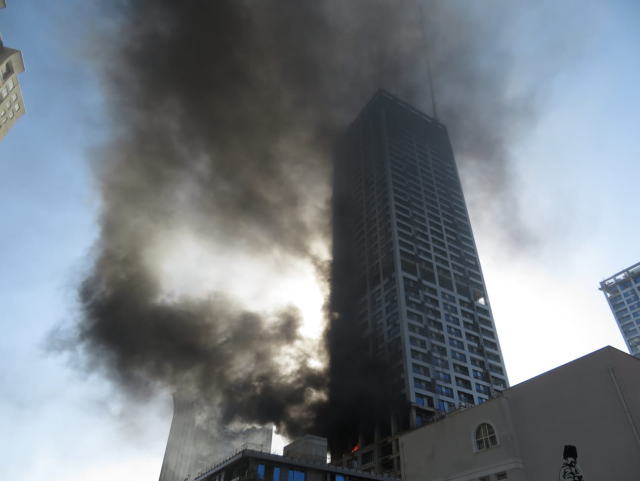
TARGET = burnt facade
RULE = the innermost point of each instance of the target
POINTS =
(407, 277)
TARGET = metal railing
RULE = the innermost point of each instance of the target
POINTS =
(260, 448)
(235, 452)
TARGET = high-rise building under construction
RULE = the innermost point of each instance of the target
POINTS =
(404, 244)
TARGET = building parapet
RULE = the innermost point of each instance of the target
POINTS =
(620, 276)
(247, 451)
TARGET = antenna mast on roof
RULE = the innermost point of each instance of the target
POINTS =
(426, 57)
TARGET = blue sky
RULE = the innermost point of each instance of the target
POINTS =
(578, 172)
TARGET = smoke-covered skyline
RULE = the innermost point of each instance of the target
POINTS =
(224, 115)
(574, 167)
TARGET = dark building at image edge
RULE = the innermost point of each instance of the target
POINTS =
(409, 275)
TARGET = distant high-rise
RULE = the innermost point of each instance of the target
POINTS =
(622, 291)
(195, 442)
(403, 241)
(11, 103)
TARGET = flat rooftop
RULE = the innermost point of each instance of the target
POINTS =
(621, 276)
(288, 462)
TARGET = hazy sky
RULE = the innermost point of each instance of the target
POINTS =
(577, 169)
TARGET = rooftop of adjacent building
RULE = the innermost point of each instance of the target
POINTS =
(621, 276)
(584, 401)
(605, 355)
(300, 454)
(17, 62)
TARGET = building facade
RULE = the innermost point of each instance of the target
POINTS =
(403, 238)
(622, 291)
(194, 443)
(303, 460)
(581, 419)
(11, 102)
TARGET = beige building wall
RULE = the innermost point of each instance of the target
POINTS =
(592, 403)
(11, 103)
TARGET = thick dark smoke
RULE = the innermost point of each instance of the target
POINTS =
(206, 348)
(224, 115)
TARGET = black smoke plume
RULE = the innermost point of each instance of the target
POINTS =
(224, 115)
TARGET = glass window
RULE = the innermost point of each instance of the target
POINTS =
(485, 437)
(260, 471)
(452, 319)
(4, 92)
(444, 391)
(482, 388)
(11, 84)
(465, 398)
(296, 475)
(454, 331)
(458, 355)
(276, 473)
(16, 107)
(14, 97)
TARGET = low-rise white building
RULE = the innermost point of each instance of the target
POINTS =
(590, 406)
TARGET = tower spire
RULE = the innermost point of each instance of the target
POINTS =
(434, 110)
(433, 96)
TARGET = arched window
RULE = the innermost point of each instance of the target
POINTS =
(485, 437)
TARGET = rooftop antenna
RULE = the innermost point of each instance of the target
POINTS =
(426, 57)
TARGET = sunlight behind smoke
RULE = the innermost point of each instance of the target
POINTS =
(192, 267)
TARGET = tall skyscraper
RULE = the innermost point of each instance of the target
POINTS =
(403, 244)
(622, 291)
(11, 104)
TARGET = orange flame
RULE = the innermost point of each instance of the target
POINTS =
(356, 448)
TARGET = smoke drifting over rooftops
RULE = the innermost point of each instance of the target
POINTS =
(224, 116)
